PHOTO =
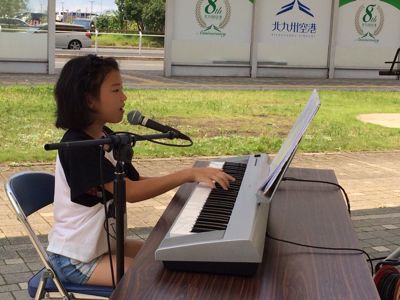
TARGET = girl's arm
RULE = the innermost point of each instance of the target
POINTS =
(150, 187)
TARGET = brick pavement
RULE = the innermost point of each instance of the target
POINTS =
(371, 179)
(135, 77)
(154, 79)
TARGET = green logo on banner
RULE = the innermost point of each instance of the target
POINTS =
(211, 7)
(369, 22)
(368, 17)
(213, 16)
(395, 3)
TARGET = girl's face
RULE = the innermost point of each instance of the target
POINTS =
(109, 108)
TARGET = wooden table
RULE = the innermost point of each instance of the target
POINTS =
(307, 213)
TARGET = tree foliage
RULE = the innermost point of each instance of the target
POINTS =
(10, 8)
(149, 15)
(106, 23)
(154, 16)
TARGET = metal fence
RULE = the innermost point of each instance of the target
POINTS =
(140, 35)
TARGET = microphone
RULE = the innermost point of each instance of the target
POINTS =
(136, 118)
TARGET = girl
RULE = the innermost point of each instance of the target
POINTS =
(88, 95)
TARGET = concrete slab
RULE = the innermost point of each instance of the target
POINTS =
(391, 120)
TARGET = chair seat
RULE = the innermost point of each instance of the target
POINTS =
(103, 291)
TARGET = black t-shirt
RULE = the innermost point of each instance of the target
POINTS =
(83, 165)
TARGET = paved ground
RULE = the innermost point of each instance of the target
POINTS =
(155, 80)
(371, 179)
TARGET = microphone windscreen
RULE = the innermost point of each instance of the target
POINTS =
(134, 117)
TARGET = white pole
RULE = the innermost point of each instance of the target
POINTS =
(95, 43)
(169, 28)
(254, 41)
(51, 36)
(332, 39)
(140, 43)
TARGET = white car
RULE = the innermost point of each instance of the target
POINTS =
(68, 36)
(13, 24)
(87, 23)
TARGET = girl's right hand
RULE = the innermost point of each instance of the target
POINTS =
(210, 176)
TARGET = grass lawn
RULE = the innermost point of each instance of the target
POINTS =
(121, 40)
(219, 122)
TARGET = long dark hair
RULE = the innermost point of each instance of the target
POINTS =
(80, 78)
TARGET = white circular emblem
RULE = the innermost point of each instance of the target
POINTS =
(369, 20)
(213, 12)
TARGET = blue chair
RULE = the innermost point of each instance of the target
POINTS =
(28, 192)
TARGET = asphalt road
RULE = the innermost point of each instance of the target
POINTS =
(130, 59)
(125, 65)
(146, 52)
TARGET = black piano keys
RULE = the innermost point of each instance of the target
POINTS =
(218, 207)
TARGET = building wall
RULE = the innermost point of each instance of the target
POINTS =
(306, 38)
(22, 51)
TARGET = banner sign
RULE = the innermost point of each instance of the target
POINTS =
(369, 28)
(311, 35)
(284, 23)
(213, 16)
(212, 31)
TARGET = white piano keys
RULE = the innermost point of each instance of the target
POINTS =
(188, 215)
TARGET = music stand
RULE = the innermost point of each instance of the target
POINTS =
(289, 147)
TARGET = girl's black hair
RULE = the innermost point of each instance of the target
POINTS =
(80, 78)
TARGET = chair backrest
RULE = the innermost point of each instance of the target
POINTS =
(31, 190)
(28, 192)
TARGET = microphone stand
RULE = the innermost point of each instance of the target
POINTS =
(123, 152)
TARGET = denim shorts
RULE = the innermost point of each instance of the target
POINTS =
(71, 270)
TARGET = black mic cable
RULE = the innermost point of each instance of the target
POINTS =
(324, 182)
(357, 250)
(151, 140)
(348, 249)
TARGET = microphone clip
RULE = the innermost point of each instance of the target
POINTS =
(176, 134)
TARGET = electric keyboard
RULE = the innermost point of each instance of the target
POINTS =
(221, 231)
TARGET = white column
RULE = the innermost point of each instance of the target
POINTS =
(254, 41)
(169, 25)
(51, 36)
(332, 39)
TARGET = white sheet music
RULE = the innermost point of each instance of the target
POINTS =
(292, 140)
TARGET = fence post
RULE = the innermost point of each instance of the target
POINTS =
(95, 43)
(140, 43)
